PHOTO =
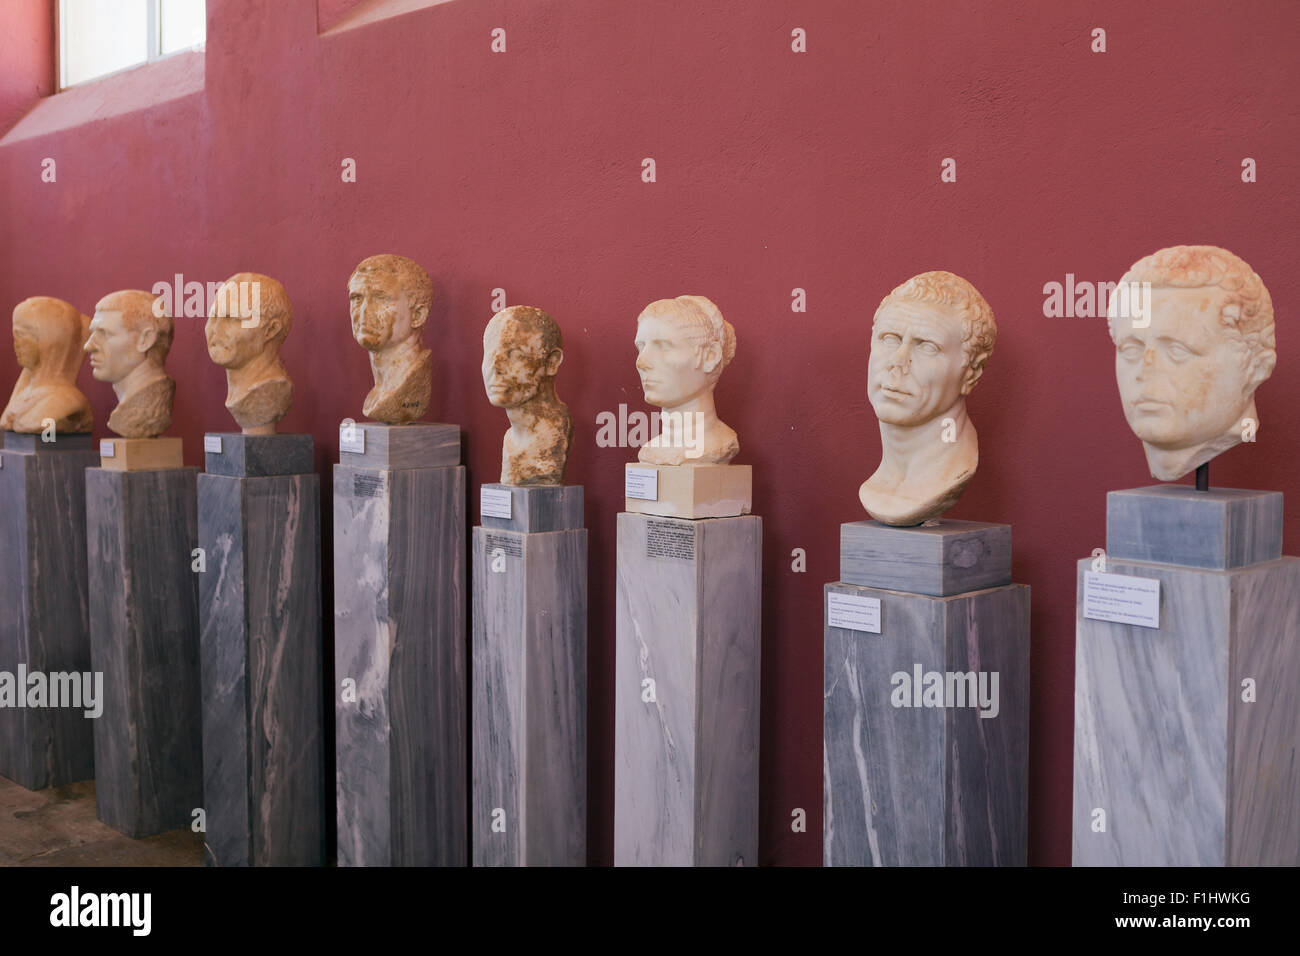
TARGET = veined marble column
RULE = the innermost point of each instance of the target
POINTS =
(530, 678)
(926, 713)
(260, 651)
(144, 638)
(399, 646)
(686, 712)
(44, 596)
(1186, 733)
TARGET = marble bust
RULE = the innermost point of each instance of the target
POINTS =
(930, 339)
(682, 345)
(130, 336)
(48, 334)
(1188, 364)
(390, 299)
(522, 352)
(247, 323)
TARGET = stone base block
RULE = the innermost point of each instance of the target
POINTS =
(926, 730)
(686, 708)
(44, 596)
(1187, 736)
(697, 491)
(1176, 524)
(392, 447)
(260, 658)
(530, 697)
(257, 456)
(535, 508)
(938, 558)
(140, 454)
(144, 639)
(399, 645)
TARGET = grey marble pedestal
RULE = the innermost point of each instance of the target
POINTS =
(530, 681)
(260, 652)
(399, 648)
(44, 597)
(144, 638)
(1187, 736)
(926, 723)
(686, 707)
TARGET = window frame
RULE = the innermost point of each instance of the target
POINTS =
(153, 47)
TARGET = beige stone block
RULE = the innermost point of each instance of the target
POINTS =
(140, 454)
(696, 491)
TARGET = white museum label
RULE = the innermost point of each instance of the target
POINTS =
(641, 483)
(352, 439)
(212, 444)
(1121, 599)
(494, 502)
(853, 613)
(106, 449)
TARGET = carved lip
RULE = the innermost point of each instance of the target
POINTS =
(895, 391)
(1147, 404)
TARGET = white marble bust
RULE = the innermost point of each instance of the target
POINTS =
(522, 352)
(930, 339)
(682, 345)
(130, 336)
(390, 297)
(48, 333)
(247, 323)
(1188, 363)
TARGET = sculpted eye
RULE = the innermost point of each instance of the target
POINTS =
(889, 338)
(929, 348)
(1179, 352)
(1131, 351)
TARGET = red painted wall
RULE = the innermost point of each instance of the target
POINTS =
(26, 57)
(776, 170)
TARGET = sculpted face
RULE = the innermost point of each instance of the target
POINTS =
(514, 362)
(669, 362)
(112, 347)
(27, 345)
(380, 312)
(1185, 379)
(230, 345)
(917, 368)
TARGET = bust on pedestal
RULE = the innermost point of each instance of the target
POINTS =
(142, 518)
(1187, 676)
(927, 640)
(688, 642)
(529, 614)
(43, 572)
(399, 594)
(259, 599)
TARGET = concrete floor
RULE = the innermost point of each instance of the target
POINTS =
(58, 827)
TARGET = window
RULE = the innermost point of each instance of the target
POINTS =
(98, 37)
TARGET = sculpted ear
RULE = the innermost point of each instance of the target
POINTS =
(553, 360)
(1261, 367)
(970, 377)
(710, 358)
(419, 315)
(146, 339)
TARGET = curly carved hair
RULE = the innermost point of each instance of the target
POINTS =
(703, 319)
(1248, 313)
(979, 333)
